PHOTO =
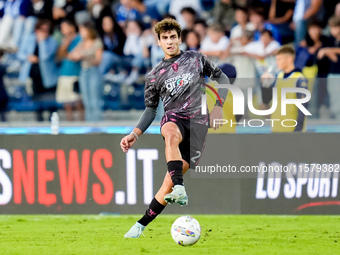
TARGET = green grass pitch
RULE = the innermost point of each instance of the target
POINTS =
(221, 234)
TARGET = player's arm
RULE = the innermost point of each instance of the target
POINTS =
(151, 95)
(144, 122)
(301, 83)
(216, 74)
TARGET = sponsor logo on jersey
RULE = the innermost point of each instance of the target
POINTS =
(178, 81)
(175, 67)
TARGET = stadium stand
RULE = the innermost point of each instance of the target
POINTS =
(128, 47)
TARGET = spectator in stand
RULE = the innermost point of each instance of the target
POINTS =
(67, 93)
(332, 53)
(336, 13)
(176, 7)
(263, 51)
(189, 16)
(42, 9)
(314, 39)
(12, 23)
(38, 54)
(66, 10)
(337, 10)
(242, 42)
(114, 39)
(242, 19)
(267, 46)
(132, 49)
(125, 12)
(192, 40)
(2, 8)
(150, 47)
(304, 10)
(329, 10)
(258, 19)
(38, 9)
(238, 32)
(216, 43)
(147, 14)
(280, 15)
(3, 93)
(201, 28)
(133, 59)
(244, 65)
(99, 9)
(89, 53)
(265, 4)
(313, 43)
(224, 13)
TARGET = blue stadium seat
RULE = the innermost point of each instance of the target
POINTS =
(136, 96)
(111, 96)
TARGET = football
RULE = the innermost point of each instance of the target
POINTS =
(186, 230)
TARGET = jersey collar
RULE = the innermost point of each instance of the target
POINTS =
(173, 59)
(286, 75)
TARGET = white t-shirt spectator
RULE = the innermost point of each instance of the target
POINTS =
(132, 45)
(221, 45)
(237, 31)
(177, 5)
(258, 48)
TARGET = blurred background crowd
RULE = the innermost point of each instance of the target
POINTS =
(87, 57)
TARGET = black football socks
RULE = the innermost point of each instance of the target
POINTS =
(151, 213)
(175, 168)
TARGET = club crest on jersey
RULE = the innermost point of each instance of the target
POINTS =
(175, 67)
(178, 81)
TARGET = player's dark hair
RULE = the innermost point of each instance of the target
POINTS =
(334, 21)
(167, 25)
(286, 49)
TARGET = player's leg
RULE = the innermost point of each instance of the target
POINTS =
(156, 206)
(168, 185)
(173, 137)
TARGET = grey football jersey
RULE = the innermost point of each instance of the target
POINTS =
(179, 82)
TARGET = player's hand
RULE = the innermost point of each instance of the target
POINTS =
(216, 114)
(127, 142)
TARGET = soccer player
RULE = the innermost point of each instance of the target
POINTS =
(288, 77)
(179, 81)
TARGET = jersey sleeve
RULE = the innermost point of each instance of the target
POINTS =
(151, 92)
(302, 82)
(209, 68)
